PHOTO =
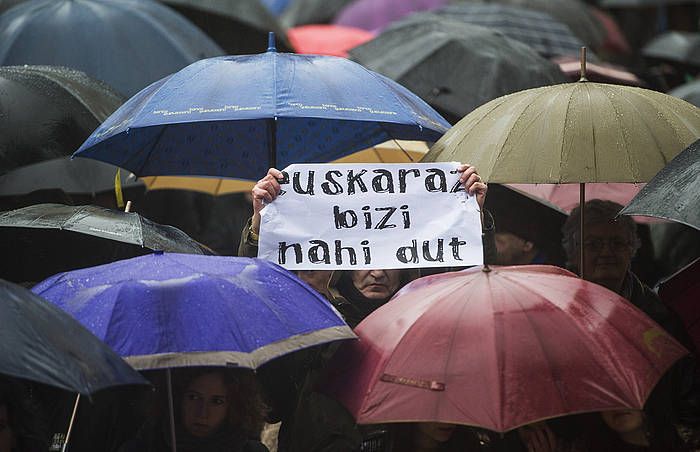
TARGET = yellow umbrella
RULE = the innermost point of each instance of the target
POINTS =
(394, 151)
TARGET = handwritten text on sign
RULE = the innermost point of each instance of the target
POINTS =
(355, 216)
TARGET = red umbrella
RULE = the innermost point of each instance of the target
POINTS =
(597, 72)
(333, 40)
(499, 349)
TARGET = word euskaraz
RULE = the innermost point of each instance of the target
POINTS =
(353, 181)
(321, 252)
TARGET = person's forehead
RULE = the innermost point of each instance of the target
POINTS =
(606, 229)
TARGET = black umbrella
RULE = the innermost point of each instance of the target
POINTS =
(689, 92)
(240, 27)
(47, 112)
(7, 4)
(574, 13)
(302, 12)
(453, 66)
(674, 193)
(675, 46)
(45, 239)
(640, 3)
(40, 342)
(535, 28)
(127, 43)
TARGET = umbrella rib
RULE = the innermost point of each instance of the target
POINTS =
(561, 147)
(621, 130)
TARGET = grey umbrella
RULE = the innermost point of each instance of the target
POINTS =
(676, 46)
(689, 92)
(453, 66)
(302, 12)
(641, 3)
(674, 193)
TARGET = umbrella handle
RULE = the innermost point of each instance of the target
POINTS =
(70, 424)
(169, 380)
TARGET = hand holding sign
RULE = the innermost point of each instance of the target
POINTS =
(264, 192)
(371, 216)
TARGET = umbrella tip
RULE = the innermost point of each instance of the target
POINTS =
(583, 65)
(271, 47)
(486, 268)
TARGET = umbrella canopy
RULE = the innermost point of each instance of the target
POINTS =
(303, 12)
(7, 4)
(534, 28)
(239, 27)
(674, 193)
(276, 7)
(91, 36)
(47, 112)
(576, 14)
(49, 238)
(40, 342)
(175, 310)
(675, 46)
(499, 349)
(73, 176)
(395, 151)
(681, 291)
(333, 40)
(689, 92)
(639, 3)
(237, 116)
(582, 132)
(453, 66)
(377, 14)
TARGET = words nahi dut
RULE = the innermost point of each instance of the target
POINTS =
(369, 216)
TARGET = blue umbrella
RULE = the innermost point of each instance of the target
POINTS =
(236, 116)
(126, 43)
(178, 310)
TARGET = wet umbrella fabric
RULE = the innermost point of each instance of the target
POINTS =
(375, 15)
(45, 239)
(173, 310)
(40, 342)
(47, 112)
(574, 13)
(89, 36)
(333, 40)
(689, 92)
(674, 193)
(583, 132)
(304, 12)
(239, 27)
(276, 7)
(675, 46)
(237, 116)
(534, 28)
(437, 351)
(453, 66)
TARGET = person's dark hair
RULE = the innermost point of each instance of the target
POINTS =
(246, 410)
(597, 211)
(23, 416)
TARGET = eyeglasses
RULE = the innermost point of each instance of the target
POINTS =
(615, 244)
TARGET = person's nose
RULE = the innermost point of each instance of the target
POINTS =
(378, 275)
(201, 409)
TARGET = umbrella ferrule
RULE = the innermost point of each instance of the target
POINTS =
(271, 46)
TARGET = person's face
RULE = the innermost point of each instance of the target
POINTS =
(376, 284)
(608, 254)
(512, 250)
(6, 438)
(205, 404)
(623, 421)
(437, 431)
(318, 279)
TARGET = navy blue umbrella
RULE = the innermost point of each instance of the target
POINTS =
(126, 43)
(180, 310)
(236, 116)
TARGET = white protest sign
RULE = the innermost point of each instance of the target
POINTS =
(362, 216)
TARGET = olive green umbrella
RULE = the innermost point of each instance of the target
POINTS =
(572, 133)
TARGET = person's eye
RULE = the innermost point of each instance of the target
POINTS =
(192, 396)
(218, 401)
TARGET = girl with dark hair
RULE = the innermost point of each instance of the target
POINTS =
(216, 410)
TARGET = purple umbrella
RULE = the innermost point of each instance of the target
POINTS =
(374, 15)
(178, 310)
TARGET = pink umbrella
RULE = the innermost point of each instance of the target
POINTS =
(333, 40)
(377, 14)
(564, 197)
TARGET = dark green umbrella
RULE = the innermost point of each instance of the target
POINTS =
(674, 193)
(240, 27)
(302, 12)
(45, 239)
(453, 66)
